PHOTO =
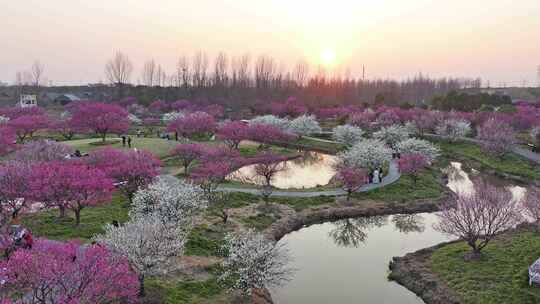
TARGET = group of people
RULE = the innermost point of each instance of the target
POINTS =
(126, 139)
(375, 176)
(19, 237)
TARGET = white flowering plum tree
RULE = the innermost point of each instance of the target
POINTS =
(392, 135)
(304, 125)
(369, 154)
(281, 123)
(171, 116)
(347, 134)
(453, 128)
(171, 200)
(253, 262)
(149, 244)
(418, 146)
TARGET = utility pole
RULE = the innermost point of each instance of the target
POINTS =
(364, 72)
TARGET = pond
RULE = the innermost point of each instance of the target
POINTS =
(311, 170)
(347, 261)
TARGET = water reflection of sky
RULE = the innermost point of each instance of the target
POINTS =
(347, 261)
(460, 181)
(309, 171)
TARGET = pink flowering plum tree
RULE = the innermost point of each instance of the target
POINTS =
(266, 134)
(232, 133)
(364, 120)
(189, 153)
(130, 169)
(65, 127)
(7, 140)
(150, 123)
(55, 272)
(72, 186)
(352, 179)
(194, 124)
(15, 112)
(412, 164)
(26, 125)
(215, 167)
(159, 106)
(424, 120)
(43, 150)
(496, 137)
(267, 166)
(292, 107)
(101, 118)
(209, 175)
(477, 216)
(15, 193)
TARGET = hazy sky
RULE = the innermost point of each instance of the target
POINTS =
(497, 40)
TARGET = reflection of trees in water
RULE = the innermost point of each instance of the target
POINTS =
(353, 232)
(409, 223)
(455, 174)
(309, 158)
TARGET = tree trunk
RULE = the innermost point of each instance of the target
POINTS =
(224, 216)
(103, 136)
(130, 197)
(62, 210)
(77, 217)
(142, 292)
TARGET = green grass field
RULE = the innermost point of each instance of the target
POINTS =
(406, 190)
(47, 224)
(157, 146)
(500, 276)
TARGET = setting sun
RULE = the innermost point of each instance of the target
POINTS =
(328, 57)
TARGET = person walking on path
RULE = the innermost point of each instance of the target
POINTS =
(123, 140)
(129, 141)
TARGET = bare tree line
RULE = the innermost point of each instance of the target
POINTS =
(243, 79)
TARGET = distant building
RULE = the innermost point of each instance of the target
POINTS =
(495, 91)
(26, 101)
(57, 98)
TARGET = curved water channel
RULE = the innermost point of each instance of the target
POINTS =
(347, 261)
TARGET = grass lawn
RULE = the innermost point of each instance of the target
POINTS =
(159, 147)
(406, 190)
(320, 144)
(509, 164)
(47, 224)
(187, 292)
(500, 276)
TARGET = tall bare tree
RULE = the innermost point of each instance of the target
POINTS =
(119, 68)
(200, 67)
(243, 70)
(183, 71)
(148, 76)
(37, 71)
(265, 68)
(221, 65)
(301, 72)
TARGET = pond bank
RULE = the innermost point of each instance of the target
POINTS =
(309, 217)
(415, 271)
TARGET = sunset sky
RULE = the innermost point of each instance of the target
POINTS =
(498, 40)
